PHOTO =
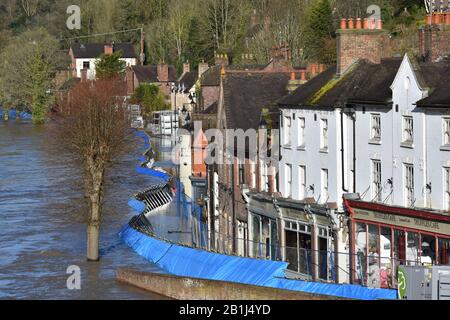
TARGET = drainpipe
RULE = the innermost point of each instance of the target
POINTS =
(343, 153)
(233, 223)
(354, 151)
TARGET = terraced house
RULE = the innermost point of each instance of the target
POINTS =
(365, 164)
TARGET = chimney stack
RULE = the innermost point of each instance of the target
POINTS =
(222, 60)
(109, 49)
(202, 68)
(163, 72)
(186, 67)
(366, 41)
(434, 37)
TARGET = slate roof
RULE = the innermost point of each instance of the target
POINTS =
(212, 109)
(211, 78)
(94, 50)
(188, 79)
(435, 77)
(149, 73)
(366, 83)
(246, 95)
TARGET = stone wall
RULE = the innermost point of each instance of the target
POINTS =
(183, 288)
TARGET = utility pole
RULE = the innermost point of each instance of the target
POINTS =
(142, 55)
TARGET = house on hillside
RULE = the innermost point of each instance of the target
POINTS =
(162, 75)
(84, 56)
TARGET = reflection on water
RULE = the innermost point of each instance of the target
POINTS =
(42, 222)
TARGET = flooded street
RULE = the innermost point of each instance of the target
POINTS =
(42, 222)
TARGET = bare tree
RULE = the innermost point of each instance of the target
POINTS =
(93, 126)
(30, 7)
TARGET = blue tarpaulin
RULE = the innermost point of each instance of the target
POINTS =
(188, 262)
(136, 205)
(153, 173)
(12, 114)
(25, 115)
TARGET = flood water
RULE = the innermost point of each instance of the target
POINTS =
(42, 222)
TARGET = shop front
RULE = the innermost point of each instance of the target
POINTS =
(263, 228)
(385, 237)
(308, 240)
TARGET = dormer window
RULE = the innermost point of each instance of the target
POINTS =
(86, 65)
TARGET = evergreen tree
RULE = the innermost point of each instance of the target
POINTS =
(110, 66)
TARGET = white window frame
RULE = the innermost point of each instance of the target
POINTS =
(409, 184)
(253, 173)
(288, 185)
(301, 132)
(446, 131)
(408, 130)
(264, 176)
(447, 188)
(287, 131)
(375, 127)
(377, 194)
(324, 131)
(324, 179)
(302, 182)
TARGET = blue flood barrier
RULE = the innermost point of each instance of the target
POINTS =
(188, 262)
(12, 114)
(153, 173)
(1, 113)
(25, 115)
(136, 205)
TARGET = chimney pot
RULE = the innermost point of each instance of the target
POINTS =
(343, 24)
(358, 23)
(380, 24)
(437, 18)
(429, 19)
(321, 68)
(303, 75)
(366, 23)
(447, 18)
(351, 23)
(292, 76)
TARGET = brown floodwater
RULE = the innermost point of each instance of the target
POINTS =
(42, 222)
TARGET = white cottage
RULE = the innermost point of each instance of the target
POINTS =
(85, 56)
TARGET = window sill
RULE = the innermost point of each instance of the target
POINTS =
(445, 147)
(302, 148)
(289, 147)
(375, 142)
(408, 145)
(325, 150)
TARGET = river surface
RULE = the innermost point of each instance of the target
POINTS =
(42, 222)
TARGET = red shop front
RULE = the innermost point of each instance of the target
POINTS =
(383, 237)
